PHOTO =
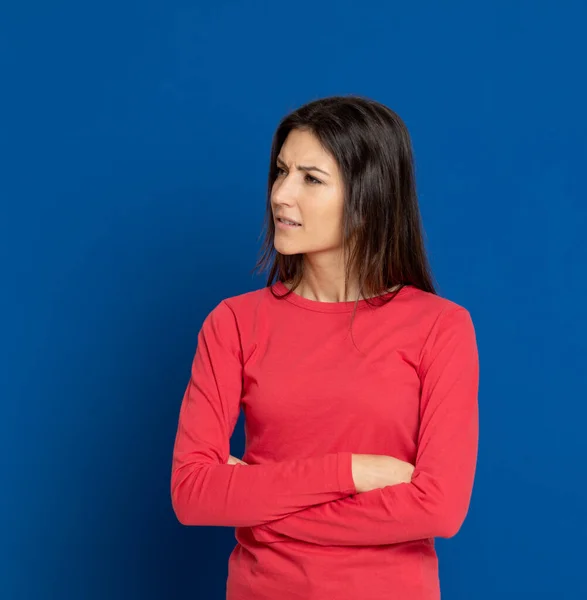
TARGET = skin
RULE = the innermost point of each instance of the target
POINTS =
(315, 198)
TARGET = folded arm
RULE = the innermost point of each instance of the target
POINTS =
(205, 490)
(435, 502)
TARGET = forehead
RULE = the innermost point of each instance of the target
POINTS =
(304, 147)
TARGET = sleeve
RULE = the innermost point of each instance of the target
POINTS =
(436, 501)
(205, 490)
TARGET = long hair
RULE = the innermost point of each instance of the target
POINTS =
(382, 228)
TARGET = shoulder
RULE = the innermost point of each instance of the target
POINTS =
(447, 325)
(245, 302)
(237, 321)
(432, 307)
(238, 310)
(435, 317)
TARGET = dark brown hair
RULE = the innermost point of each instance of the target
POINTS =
(382, 229)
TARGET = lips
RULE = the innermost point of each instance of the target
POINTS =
(290, 223)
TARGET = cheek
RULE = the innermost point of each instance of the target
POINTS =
(324, 207)
(330, 215)
(325, 227)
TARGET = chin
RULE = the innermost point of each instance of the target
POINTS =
(285, 250)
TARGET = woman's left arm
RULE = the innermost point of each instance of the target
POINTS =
(436, 501)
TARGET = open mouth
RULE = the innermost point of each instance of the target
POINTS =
(286, 223)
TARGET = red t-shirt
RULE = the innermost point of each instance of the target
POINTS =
(403, 383)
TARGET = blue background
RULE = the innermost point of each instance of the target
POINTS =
(135, 140)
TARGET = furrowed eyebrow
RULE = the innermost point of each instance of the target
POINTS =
(301, 168)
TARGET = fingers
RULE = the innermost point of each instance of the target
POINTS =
(233, 460)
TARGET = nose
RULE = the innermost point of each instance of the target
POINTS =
(285, 191)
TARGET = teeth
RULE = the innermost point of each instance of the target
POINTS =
(288, 222)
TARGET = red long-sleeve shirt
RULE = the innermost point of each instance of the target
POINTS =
(404, 384)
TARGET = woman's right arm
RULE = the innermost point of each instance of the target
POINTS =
(205, 490)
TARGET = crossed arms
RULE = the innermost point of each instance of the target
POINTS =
(315, 499)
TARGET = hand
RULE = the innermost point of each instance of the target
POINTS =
(374, 471)
(233, 460)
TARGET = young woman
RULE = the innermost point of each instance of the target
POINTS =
(358, 381)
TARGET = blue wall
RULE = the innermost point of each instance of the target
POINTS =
(135, 140)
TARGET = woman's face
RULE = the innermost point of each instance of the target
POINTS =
(312, 196)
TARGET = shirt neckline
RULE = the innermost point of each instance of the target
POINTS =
(333, 307)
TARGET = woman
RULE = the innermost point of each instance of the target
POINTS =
(358, 381)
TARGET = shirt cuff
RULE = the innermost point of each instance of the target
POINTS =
(345, 473)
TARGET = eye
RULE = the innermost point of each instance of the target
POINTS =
(309, 178)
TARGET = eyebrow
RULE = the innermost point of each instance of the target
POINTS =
(301, 168)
